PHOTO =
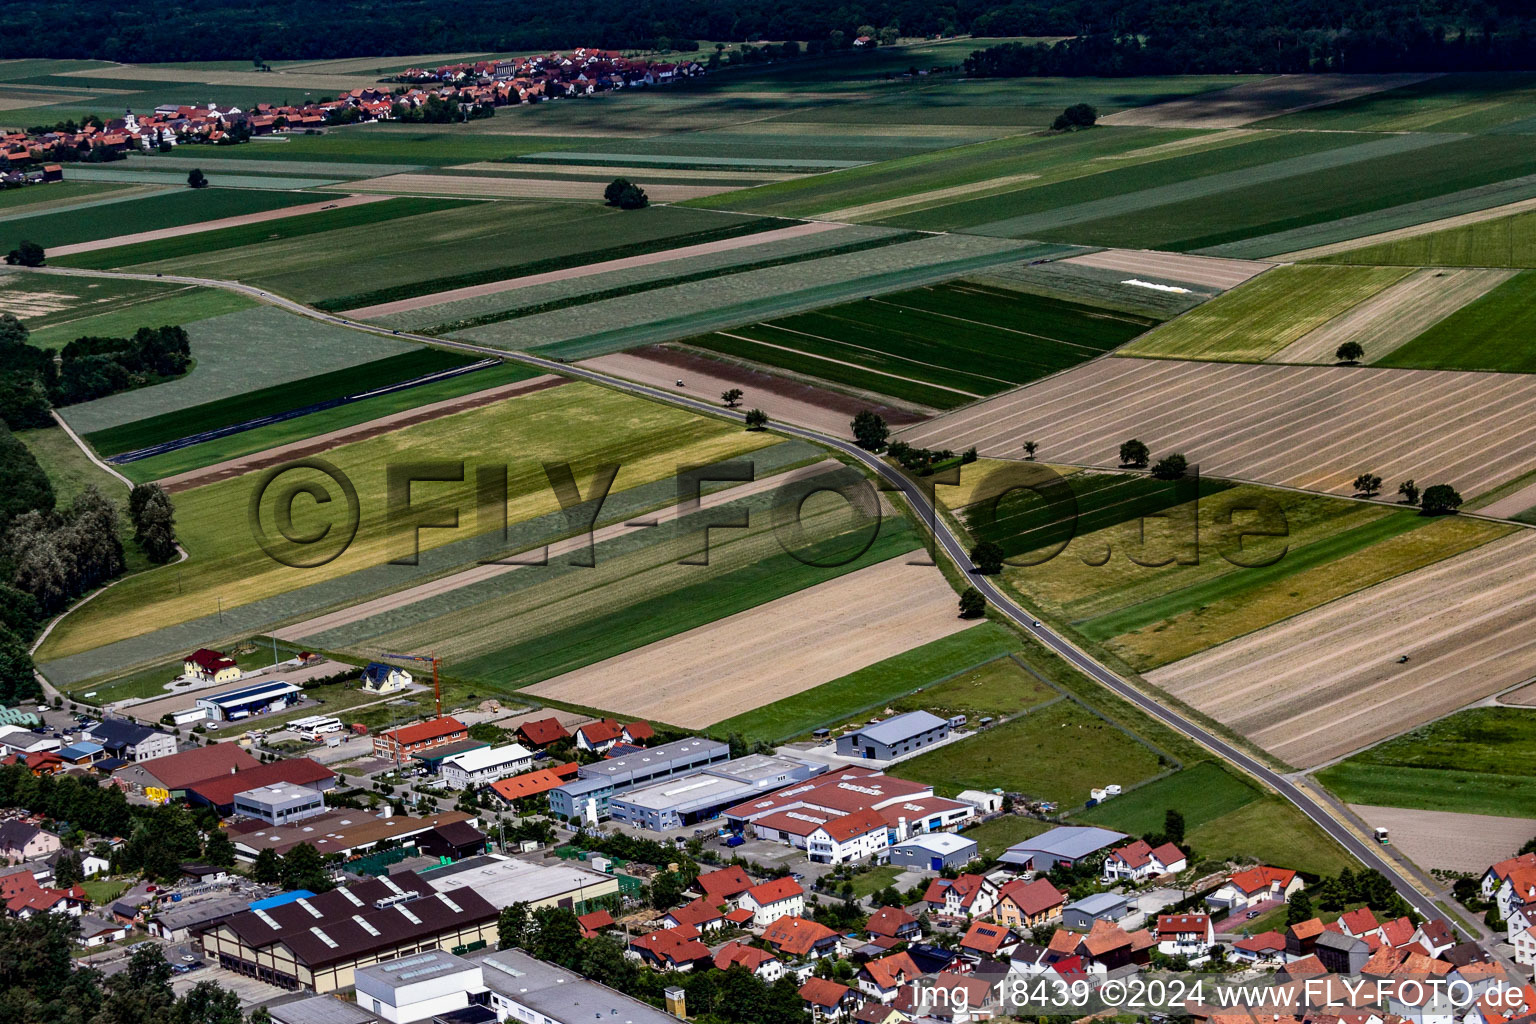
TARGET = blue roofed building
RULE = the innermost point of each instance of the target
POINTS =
(251, 700)
(381, 678)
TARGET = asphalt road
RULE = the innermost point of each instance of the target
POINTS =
(1365, 852)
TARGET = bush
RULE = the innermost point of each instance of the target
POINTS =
(972, 604)
(1171, 467)
(1439, 500)
(26, 254)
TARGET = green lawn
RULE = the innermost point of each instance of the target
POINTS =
(1058, 753)
(942, 346)
(1492, 333)
(1502, 242)
(1270, 831)
(867, 883)
(235, 409)
(367, 214)
(165, 210)
(1000, 687)
(995, 836)
(104, 891)
(1200, 793)
(873, 686)
(1479, 761)
(1258, 319)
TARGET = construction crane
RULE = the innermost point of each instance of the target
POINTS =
(437, 689)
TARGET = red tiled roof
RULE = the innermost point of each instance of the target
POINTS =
(1262, 877)
(697, 913)
(601, 731)
(543, 732)
(594, 922)
(206, 658)
(772, 892)
(1264, 942)
(823, 992)
(985, 937)
(221, 789)
(433, 728)
(889, 921)
(796, 935)
(640, 731)
(674, 945)
(1174, 924)
(738, 952)
(893, 970)
(1032, 898)
(1312, 926)
(1358, 921)
(180, 770)
(725, 883)
(534, 783)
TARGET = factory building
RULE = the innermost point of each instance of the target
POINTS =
(255, 699)
(587, 796)
(687, 799)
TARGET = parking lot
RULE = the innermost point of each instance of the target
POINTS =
(251, 992)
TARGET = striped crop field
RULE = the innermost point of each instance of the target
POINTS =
(929, 345)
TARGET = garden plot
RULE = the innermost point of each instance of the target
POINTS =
(1394, 316)
(1334, 679)
(1253, 101)
(1313, 427)
(775, 650)
(236, 353)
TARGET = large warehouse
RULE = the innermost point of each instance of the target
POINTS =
(250, 700)
(587, 796)
(686, 799)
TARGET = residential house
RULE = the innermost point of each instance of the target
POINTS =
(1254, 885)
(950, 999)
(674, 949)
(1263, 948)
(1022, 904)
(540, 733)
(723, 886)
(882, 979)
(1109, 947)
(799, 938)
(638, 734)
(1341, 953)
(826, 999)
(782, 897)
(759, 961)
(594, 923)
(1360, 923)
(1301, 937)
(966, 896)
(475, 768)
(879, 1013)
(700, 914)
(853, 837)
(210, 666)
(893, 923)
(534, 783)
(1139, 861)
(1436, 936)
(410, 740)
(98, 931)
(380, 678)
(20, 840)
(985, 940)
(1188, 935)
(597, 737)
(129, 740)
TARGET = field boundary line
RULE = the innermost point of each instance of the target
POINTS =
(842, 362)
(1428, 227)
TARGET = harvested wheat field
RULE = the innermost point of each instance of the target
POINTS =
(1252, 101)
(1204, 271)
(1394, 316)
(773, 651)
(1329, 681)
(1315, 427)
(475, 187)
(1446, 840)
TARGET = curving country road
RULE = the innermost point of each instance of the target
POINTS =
(1363, 851)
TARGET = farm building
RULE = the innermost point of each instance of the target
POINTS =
(210, 666)
(317, 943)
(587, 797)
(258, 698)
(280, 803)
(475, 768)
(1068, 844)
(894, 737)
(176, 773)
(378, 677)
(542, 732)
(687, 799)
(409, 740)
(934, 851)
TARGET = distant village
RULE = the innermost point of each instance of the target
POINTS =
(452, 92)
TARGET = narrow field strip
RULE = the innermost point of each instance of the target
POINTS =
(468, 187)
(1174, 266)
(842, 362)
(1427, 227)
(885, 207)
(1269, 97)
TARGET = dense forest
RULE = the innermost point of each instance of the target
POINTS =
(1121, 36)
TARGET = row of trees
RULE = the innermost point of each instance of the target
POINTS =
(1436, 500)
(33, 380)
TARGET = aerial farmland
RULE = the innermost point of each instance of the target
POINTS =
(556, 448)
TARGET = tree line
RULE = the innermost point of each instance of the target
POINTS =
(34, 380)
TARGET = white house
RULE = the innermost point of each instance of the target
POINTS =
(770, 901)
(966, 896)
(475, 768)
(1140, 860)
(1188, 935)
(381, 678)
(96, 931)
(849, 838)
(1254, 885)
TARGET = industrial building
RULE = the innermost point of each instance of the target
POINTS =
(419, 987)
(687, 799)
(587, 796)
(318, 943)
(347, 832)
(256, 699)
(934, 851)
(410, 740)
(280, 804)
(130, 740)
(525, 989)
(895, 737)
(219, 791)
(481, 767)
(508, 880)
(1067, 844)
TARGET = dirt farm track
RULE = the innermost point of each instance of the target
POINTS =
(1315, 427)
(1329, 681)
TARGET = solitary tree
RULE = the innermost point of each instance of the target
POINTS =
(1409, 491)
(972, 604)
(1350, 352)
(756, 419)
(1367, 484)
(1439, 500)
(154, 522)
(988, 558)
(1135, 454)
(1030, 447)
(26, 254)
(1173, 826)
(1078, 115)
(869, 430)
(1171, 467)
(731, 398)
(196, 178)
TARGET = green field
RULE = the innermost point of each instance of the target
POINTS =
(367, 214)
(1000, 687)
(1479, 761)
(574, 423)
(1501, 242)
(236, 353)
(1462, 102)
(239, 408)
(639, 591)
(15, 200)
(1270, 831)
(872, 686)
(1058, 753)
(1492, 333)
(1200, 793)
(940, 346)
(59, 309)
(1268, 313)
(260, 439)
(429, 252)
(163, 210)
